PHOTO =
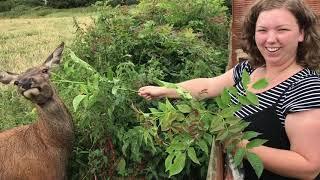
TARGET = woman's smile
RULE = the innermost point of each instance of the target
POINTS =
(272, 49)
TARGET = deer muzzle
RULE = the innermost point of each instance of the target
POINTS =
(25, 83)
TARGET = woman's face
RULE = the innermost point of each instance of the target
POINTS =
(277, 36)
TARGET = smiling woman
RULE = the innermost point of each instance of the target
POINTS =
(239, 9)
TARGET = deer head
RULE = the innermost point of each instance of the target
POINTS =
(34, 83)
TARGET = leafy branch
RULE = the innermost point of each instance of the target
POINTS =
(186, 128)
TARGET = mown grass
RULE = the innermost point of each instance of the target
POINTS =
(26, 41)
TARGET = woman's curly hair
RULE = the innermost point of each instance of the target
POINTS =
(308, 53)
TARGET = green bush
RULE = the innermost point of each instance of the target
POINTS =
(6, 5)
(170, 40)
(123, 2)
(132, 46)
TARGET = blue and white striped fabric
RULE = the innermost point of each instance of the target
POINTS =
(300, 92)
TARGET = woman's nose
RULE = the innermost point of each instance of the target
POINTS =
(272, 37)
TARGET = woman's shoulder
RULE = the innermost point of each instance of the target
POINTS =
(239, 68)
(244, 65)
(306, 82)
(304, 92)
(306, 77)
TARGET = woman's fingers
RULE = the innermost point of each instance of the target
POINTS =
(147, 92)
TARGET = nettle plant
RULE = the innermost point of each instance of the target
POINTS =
(187, 127)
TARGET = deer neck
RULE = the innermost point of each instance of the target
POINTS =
(55, 123)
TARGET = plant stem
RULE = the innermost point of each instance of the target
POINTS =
(67, 81)
(130, 90)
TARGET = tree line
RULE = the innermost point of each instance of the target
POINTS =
(8, 5)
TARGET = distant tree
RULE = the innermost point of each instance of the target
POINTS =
(69, 3)
(228, 3)
(6, 5)
(123, 2)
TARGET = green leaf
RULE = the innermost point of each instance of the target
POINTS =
(233, 91)
(237, 128)
(115, 90)
(208, 137)
(245, 79)
(255, 143)
(121, 167)
(252, 98)
(232, 120)
(203, 146)
(229, 111)
(147, 138)
(216, 124)
(250, 134)
(124, 148)
(110, 74)
(260, 84)
(184, 108)
(169, 105)
(167, 120)
(226, 113)
(81, 62)
(162, 106)
(183, 93)
(239, 155)
(166, 84)
(222, 135)
(180, 117)
(192, 155)
(168, 161)
(77, 100)
(178, 146)
(207, 118)
(256, 163)
(220, 103)
(243, 100)
(243, 124)
(178, 164)
(154, 110)
(225, 97)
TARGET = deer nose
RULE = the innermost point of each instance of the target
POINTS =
(24, 83)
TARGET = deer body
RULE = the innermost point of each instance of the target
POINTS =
(40, 150)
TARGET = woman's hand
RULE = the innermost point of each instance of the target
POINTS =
(153, 92)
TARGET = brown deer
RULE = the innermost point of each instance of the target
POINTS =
(39, 151)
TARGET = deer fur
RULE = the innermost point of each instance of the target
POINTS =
(39, 151)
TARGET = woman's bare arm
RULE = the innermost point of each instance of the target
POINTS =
(199, 88)
(302, 161)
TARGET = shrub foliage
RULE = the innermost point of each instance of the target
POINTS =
(169, 40)
(129, 47)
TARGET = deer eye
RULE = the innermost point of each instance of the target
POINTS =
(45, 71)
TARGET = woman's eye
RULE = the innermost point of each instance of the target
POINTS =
(261, 30)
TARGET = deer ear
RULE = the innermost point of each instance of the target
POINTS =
(7, 77)
(55, 56)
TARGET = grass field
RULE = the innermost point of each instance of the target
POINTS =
(26, 40)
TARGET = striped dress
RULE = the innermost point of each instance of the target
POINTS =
(300, 92)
